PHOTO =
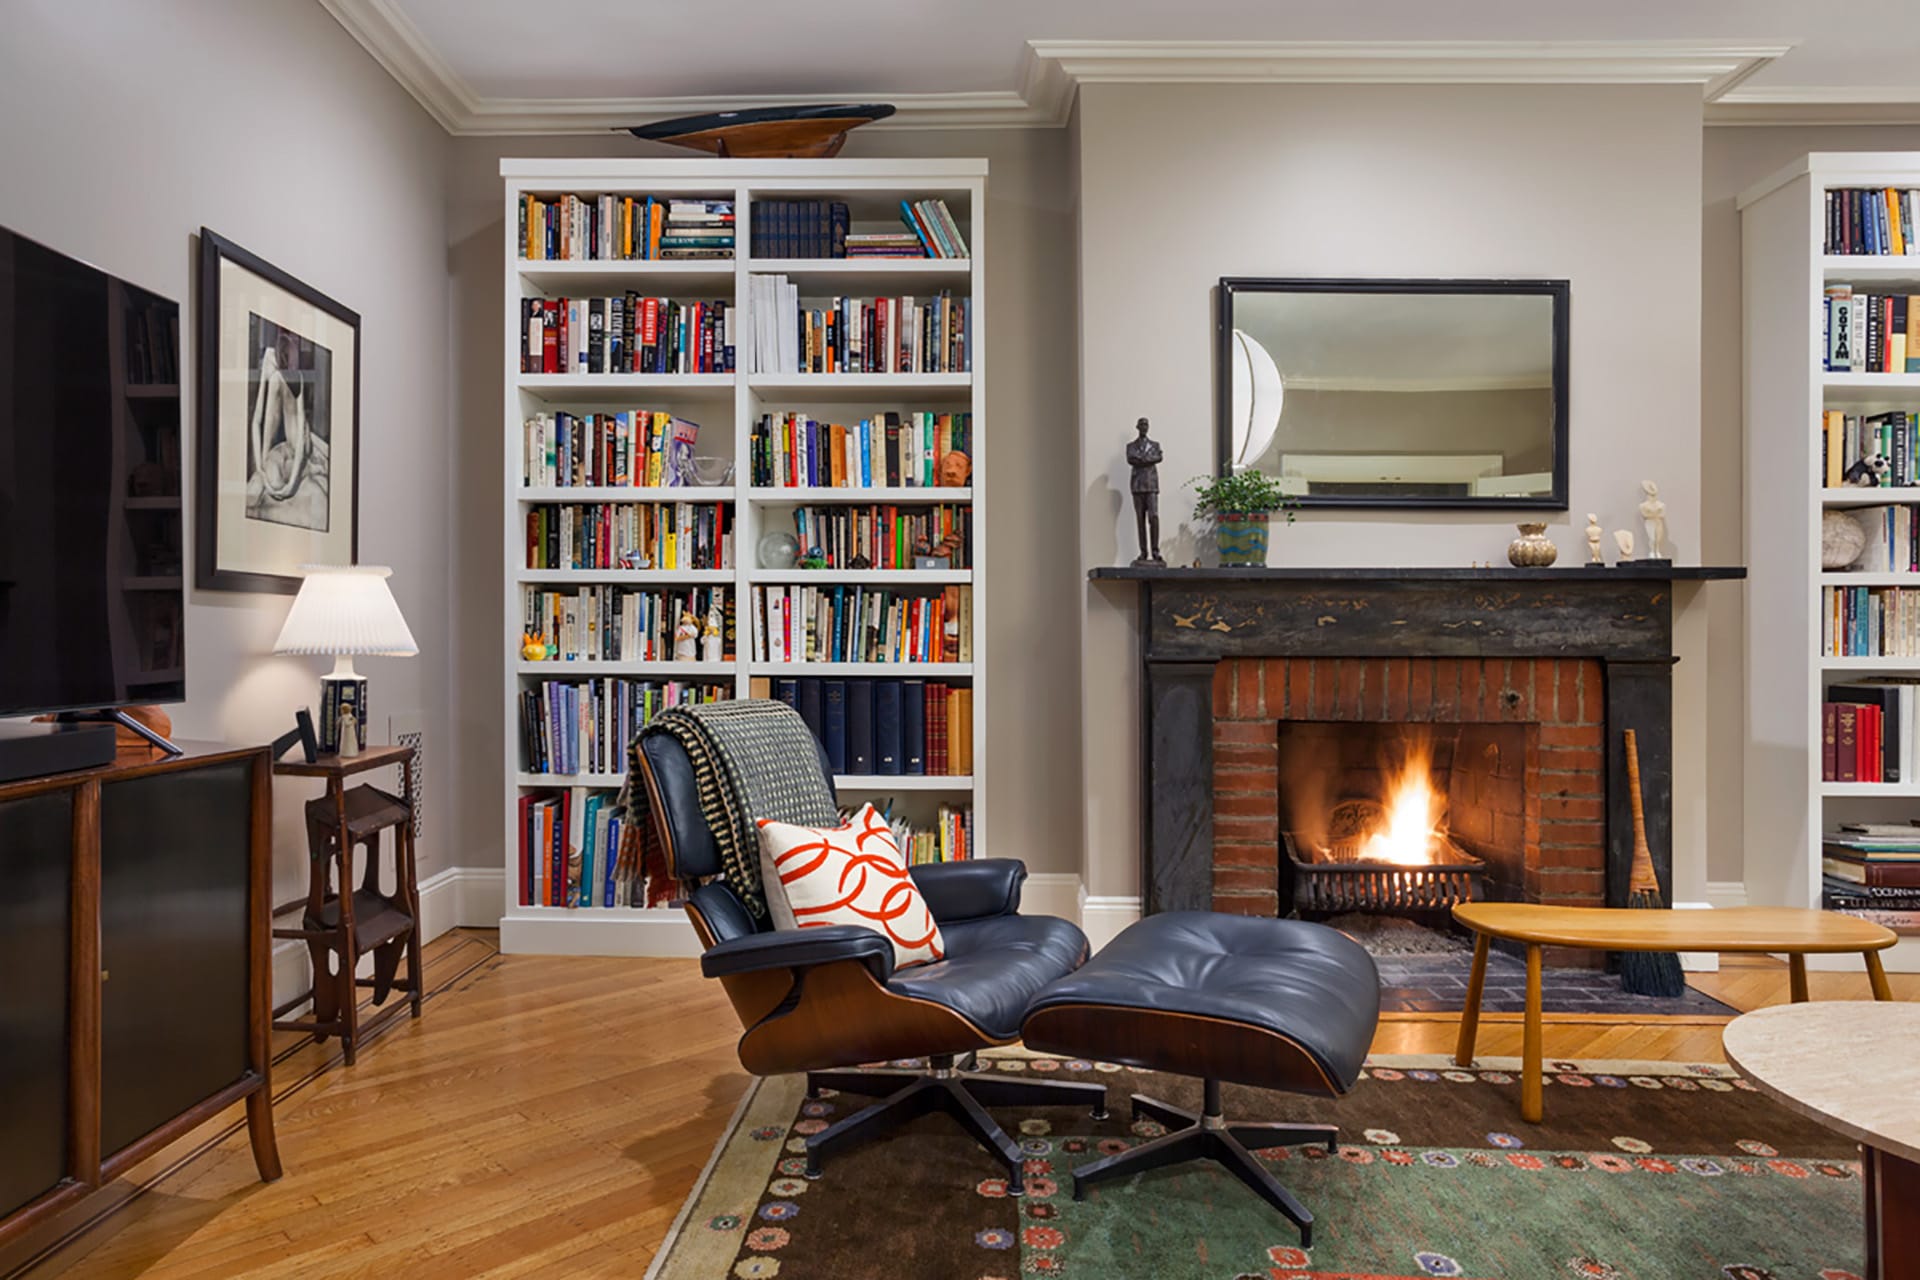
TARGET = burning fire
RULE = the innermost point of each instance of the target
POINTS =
(1415, 814)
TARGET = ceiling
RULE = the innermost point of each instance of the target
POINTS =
(510, 66)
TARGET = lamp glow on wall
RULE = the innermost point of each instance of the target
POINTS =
(1257, 397)
(348, 612)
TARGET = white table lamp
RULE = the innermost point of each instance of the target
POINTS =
(348, 612)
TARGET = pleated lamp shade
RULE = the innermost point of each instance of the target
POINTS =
(347, 611)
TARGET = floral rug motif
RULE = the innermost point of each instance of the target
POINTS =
(1641, 1171)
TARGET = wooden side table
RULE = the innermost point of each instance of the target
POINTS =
(341, 921)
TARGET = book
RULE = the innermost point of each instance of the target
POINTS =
(1902, 875)
(796, 450)
(1890, 748)
(913, 727)
(886, 727)
(860, 726)
(572, 727)
(577, 228)
(1874, 221)
(833, 723)
(629, 535)
(906, 334)
(795, 622)
(656, 335)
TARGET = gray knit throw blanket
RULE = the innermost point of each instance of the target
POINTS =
(752, 759)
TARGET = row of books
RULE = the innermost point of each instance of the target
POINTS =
(1869, 332)
(906, 727)
(885, 537)
(891, 449)
(570, 852)
(1872, 870)
(608, 624)
(1887, 443)
(862, 624)
(635, 448)
(858, 335)
(153, 344)
(584, 726)
(625, 333)
(1870, 220)
(1893, 539)
(1870, 622)
(570, 228)
(799, 229)
(1870, 732)
(949, 839)
(630, 535)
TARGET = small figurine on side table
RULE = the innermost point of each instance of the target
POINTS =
(349, 733)
(1653, 518)
(1144, 456)
(1595, 559)
(710, 639)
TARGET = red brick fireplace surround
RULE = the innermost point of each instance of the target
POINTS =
(1574, 654)
(1540, 820)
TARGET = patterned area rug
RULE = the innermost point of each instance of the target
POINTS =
(1642, 1171)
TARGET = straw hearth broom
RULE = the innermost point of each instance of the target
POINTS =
(1645, 973)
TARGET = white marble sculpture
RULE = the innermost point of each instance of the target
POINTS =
(1593, 540)
(710, 640)
(686, 639)
(349, 733)
(1623, 539)
(1653, 518)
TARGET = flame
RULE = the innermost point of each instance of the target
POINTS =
(1415, 813)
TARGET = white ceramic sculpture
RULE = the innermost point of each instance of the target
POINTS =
(686, 639)
(710, 640)
(1593, 540)
(1623, 539)
(1653, 518)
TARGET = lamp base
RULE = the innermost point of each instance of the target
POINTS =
(342, 694)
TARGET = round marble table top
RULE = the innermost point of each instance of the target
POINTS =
(1852, 1065)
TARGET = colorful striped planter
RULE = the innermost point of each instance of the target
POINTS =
(1242, 537)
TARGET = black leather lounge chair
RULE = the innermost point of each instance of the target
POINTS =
(822, 998)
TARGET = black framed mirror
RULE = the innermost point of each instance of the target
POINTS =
(1396, 393)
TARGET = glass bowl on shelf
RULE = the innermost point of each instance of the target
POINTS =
(779, 551)
(706, 470)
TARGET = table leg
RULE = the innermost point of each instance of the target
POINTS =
(1797, 978)
(1470, 1014)
(1877, 976)
(1893, 1215)
(1532, 1106)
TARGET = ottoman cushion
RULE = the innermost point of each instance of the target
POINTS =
(1273, 1003)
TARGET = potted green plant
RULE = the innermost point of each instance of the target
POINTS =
(1241, 505)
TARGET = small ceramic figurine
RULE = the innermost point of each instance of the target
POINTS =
(1594, 532)
(533, 648)
(710, 640)
(686, 639)
(955, 467)
(1653, 518)
(349, 733)
(1866, 473)
(1623, 539)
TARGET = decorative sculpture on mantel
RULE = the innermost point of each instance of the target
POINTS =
(1595, 558)
(1144, 456)
(1653, 518)
(1623, 538)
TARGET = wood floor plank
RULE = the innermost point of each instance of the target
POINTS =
(548, 1115)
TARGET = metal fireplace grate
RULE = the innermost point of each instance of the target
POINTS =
(1324, 885)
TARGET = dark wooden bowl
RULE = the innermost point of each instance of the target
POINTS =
(807, 132)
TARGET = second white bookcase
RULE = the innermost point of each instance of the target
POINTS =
(727, 407)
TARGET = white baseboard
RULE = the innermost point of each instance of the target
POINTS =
(1102, 918)
(1726, 893)
(1051, 893)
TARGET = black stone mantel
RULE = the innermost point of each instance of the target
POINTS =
(1191, 619)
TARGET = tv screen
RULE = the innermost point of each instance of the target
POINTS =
(91, 594)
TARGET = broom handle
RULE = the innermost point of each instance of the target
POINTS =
(1643, 878)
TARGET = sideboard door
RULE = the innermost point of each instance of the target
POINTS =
(173, 938)
(36, 893)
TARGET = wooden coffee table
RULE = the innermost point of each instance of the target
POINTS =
(1795, 931)
(1854, 1066)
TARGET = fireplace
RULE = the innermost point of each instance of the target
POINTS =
(1563, 658)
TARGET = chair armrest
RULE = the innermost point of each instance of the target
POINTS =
(970, 890)
(800, 949)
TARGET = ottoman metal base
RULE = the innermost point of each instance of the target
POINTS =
(1208, 1136)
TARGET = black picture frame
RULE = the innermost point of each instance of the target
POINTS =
(209, 573)
(1558, 290)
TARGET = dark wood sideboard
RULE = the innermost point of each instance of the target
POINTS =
(135, 977)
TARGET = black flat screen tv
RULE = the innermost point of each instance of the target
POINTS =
(92, 605)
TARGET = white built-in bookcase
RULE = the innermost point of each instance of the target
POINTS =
(727, 406)
(1786, 271)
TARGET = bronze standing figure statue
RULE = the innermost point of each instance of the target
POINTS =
(1143, 455)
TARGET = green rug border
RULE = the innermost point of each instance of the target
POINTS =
(733, 1186)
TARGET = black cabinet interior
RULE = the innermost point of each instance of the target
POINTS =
(36, 870)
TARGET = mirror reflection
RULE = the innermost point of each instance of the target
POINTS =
(1386, 393)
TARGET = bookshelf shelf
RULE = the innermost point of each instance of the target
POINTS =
(727, 406)
(626, 493)
(1787, 392)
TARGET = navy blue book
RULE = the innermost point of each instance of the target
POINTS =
(811, 711)
(913, 726)
(886, 727)
(833, 722)
(787, 691)
(860, 726)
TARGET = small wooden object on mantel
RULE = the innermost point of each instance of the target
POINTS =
(341, 921)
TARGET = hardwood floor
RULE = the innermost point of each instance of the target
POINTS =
(547, 1117)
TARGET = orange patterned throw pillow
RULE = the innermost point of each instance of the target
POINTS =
(852, 874)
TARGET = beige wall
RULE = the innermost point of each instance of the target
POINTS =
(1180, 185)
(1734, 159)
(131, 125)
(1031, 561)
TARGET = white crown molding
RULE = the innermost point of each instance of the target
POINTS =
(1052, 70)
(1782, 105)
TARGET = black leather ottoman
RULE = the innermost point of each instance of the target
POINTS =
(1279, 1004)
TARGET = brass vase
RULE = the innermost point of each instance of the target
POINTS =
(1533, 549)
